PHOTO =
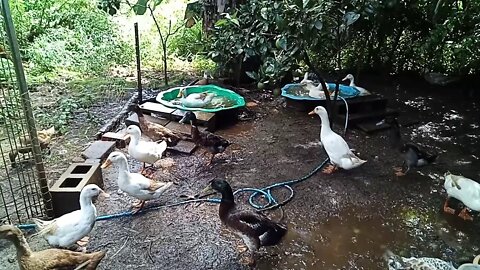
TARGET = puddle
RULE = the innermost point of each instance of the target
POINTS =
(354, 240)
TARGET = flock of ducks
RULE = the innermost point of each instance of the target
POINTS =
(317, 91)
(254, 228)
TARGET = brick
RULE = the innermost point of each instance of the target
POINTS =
(121, 139)
(185, 147)
(157, 108)
(66, 190)
(182, 128)
(98, 150)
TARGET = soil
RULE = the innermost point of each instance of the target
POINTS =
(341, 221)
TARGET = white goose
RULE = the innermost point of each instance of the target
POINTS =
(336, 147)
(72, 227)
(465, 190)
(135, 184)
(144, 151)
(362, 90)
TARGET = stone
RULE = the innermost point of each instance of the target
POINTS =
(98, 150)
(66, 190)
(121, 139)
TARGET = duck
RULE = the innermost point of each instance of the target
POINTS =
(255, 229)
(465, 190)
(135, 184)
(396, 262)
(336, 147)
(204, 80)
(156, 132)
(212, 143)
(362, 90)
(413, 154)
(48, 259)
(306, 80)
(44, 138)
(194, 100)
(143, 151)
(314, 91)
(72, 227)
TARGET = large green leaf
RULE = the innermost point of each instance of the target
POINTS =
(140, 7)
(318, 24)
(351, 17)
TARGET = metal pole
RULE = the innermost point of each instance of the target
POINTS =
(139, 72)
(25, 98)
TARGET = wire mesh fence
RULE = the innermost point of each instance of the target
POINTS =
(23, 189)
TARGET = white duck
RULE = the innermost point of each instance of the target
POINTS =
(362, 90)
(135, 184)
(72, 227)
(465, 190)
(336, 147)
(144, 151)
(194, 100)
(314, 91)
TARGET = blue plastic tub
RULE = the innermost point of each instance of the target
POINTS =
(297, 92)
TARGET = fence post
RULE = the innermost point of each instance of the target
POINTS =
(27, 108)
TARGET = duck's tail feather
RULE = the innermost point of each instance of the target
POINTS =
(43, 227)
(274, 235)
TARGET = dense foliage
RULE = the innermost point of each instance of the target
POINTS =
(390, 35)
(72, 35)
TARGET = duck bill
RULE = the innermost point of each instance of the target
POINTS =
(103, 195)
(106, 164)
(207, 189)
(344, 79)
(182, 121)
(311, 113)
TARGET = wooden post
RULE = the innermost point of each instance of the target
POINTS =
(139, 71)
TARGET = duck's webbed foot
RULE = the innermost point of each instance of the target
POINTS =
(330, 169)
(448, 209)
(465, 215)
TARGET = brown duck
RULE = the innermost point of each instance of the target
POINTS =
(156, 132)
(49, 258)
(211, 142)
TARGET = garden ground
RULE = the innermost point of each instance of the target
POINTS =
(339, 221)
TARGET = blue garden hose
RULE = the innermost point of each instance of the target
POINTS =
(266, 192)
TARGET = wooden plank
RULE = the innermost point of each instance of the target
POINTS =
(157, 108)
(182, 128)
(185, 147)
(133, 120)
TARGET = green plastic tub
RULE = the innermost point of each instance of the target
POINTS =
(224, 99)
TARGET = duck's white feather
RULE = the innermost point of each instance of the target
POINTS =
(463, 189)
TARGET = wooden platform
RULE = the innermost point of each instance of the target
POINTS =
(364, 112)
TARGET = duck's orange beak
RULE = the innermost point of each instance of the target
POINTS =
(311, 113)
(103, 195)
(106, 164)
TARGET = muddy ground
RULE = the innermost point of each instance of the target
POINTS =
(339, 221)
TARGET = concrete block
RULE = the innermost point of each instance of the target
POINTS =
(66, 190)
(184, 147)
(121, 139)
(99, 150)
